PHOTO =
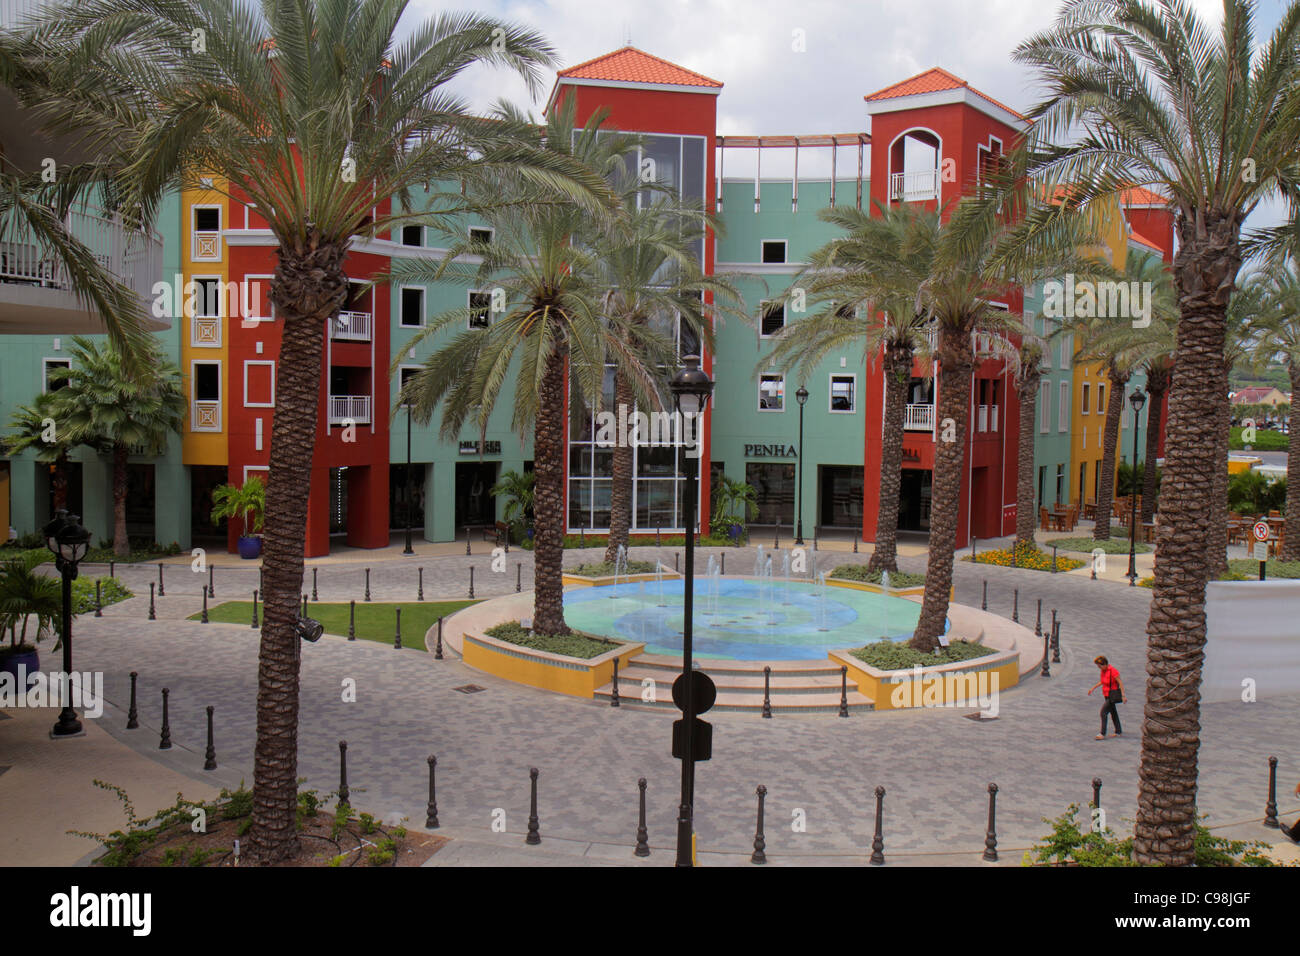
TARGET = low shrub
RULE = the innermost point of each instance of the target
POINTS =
(1025, 556)
(605, 569)
(859, 572)
(888, 655)
(1089, 545)
(570, 645)
(1069, 844)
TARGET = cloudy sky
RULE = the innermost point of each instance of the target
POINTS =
(853, 47)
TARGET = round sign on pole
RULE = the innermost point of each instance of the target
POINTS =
(703, 689)
(1260, 531)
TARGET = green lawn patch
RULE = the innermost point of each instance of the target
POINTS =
(1248, 569)
(1265, 440)
(374, 622)
(859, 572)
(897, 656)
(605, 569)
(111, 590)
(570, 645)
(1111, 545)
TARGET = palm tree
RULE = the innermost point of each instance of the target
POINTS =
(1279, 341)
(1149, 94)
(516, 489)
(318, 113)
(731, 495)
(247, 503)
(867, 282)
(105, 407)
(647, 265)
(552, 323)
(25, 594)
(35, 426)
(1028, 377)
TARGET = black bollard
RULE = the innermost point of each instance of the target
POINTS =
(1046, 669)
(723, 564)
(111, 565)
(419, 592)
(760, 844)
(397, 636)
(1096, 791)
(210, 755)
(352, 620)
(776, 538)
(254, 624)
(471, 582)
(534, 834)
(642, 836)
(878, 841)
(212, 586)
(165, 740)
(519, 577)
(152, 615)
(99, 606)
(1270, 808)
(437, 654)
(973, 539)
(431, 811)
(343, 773)
(984, 601)
(855, 544)
(1053, 559)
(1056, 642)
(676, 569)
(844, 691)
(991, 835)
(613, 700)
(658, 541)
(767, 691)
(132, 715)
(582, 537)
(1052, 629)
(1038, 623)
(303, 612)
(202, 620)
(367, 584)
(467, 551)
(161, 592)
(1015, 605)
(314, 595)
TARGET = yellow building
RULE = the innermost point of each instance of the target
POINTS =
(204, 358)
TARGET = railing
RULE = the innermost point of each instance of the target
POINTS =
(919, 418)
(205, 332)
(914, 186)
(206, 247)
(354, 409)
(351, 326)
(133, 256)
(205, 416)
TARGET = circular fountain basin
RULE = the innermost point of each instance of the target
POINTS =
(741, 618)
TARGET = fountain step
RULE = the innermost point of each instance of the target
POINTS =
(817, 702)
(804, 683)
(720, 666)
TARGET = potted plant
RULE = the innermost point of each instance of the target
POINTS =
(517, 491)
(730, 496)
(25, 595)
(248, 504)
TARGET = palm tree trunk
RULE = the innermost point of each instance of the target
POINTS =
(1157, 385)
(898, 371)
(955, 370)
(1204, 272)
(548, 502)
(1217, 536)
(1291, 527)
(121, 545)
(1028, 394)
(1106, 484)
(309, 286)
(620, 497)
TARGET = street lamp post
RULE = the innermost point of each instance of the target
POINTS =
(802, 396)
(69, 542)
(691, 388)
(410, 495)
(1137, 400)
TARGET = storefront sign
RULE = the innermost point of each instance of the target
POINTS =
(770, 451)
(472, 448)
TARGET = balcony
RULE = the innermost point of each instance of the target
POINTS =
(918, 418)
(205, 416)
(914, 186)
(349, 410)
(351, 327)
(35, 293)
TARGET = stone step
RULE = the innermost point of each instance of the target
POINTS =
(715, 667)
(739, 683)
(816, 702)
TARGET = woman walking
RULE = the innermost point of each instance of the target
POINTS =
(1292, 832)
(1112, 690)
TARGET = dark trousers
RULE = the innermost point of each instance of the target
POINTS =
(1108, 709)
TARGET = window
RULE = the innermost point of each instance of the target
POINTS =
(1067, 350)
(207, 381)
(207, 297)
(206, 238)
(773, 318)
(412, 306)
(480, 234)
(773, 250)
(205, 392)
(412, 235)
(1083, 409)
(480, 304)
(1045, 407)
(1101, 399)
(405, 374)
(771, 393)
(1063, 417)
(259, 384)
(843, 392)
(845, 312)
(52, 384)
(207, 218)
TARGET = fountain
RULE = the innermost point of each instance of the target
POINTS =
(659, 581)
(713, 586)
(821, 601)
(785, 576)
(758, 562)
(620, 562)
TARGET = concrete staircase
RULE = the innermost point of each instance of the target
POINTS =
(797, 687)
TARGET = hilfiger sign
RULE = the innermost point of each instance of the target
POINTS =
(770, 451)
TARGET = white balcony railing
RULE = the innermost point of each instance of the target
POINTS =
(351, 326)
(205, 332)
(205, 416)
(914, 186)
(133, 256)
(206, 247)
(919, 418)
(349, 409)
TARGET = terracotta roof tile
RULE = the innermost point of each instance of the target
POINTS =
(934, 80)
(1138, 196)
(630, 65)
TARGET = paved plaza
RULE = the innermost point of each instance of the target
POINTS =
(934, 764)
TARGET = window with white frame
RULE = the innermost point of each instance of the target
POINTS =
(412, 235)
(412, 306)
(1101, 399)
(205, 396)
(1044, 407)
(205, 233)
(773, 320)
(480, 306)
(481, 235)
(255, 298)
(844, 393)
(771, 393)
(1063, 415)
(207, 296)
(773, 251)
(1067, 349)
(1083, 409)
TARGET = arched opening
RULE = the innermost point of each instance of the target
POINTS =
(914, 160)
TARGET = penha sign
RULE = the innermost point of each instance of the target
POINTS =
(770, 451)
